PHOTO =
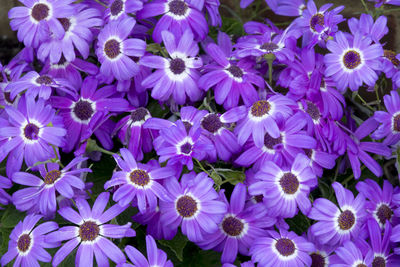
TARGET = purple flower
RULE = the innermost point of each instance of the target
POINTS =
(176, 76)
(350, 255)
(232, 80)
(178, 16)
(132, 134)
(30, 136)
(379, 3)
(285, 190)
(367, 27)
(237, 230)
(28, 243)
(282, 249)
(353, 61)
(85, 113)
(114, 49)
(91, 233)
(155, 256)
(120, 9)
(5, 183)
(395, 237)
(38, 18)
(77, 35)
(336, 225)
(320, 160)
(194, 205)
(390, 64)
(138, 181)
(321, 255)
(40, 196)
(292, 8)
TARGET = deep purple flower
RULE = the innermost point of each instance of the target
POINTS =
(321, 255)
(390, 64)
(194, 205)
(77, 36)
(237, 230)
(120, 9)
(114, 49)
(37, 19)
(352, 61)
(30, 135)
(155, 256)
(282, 249)
(350, 255)
(292, 8)
(285, 190)
(28, 243)
(395, 237)
(5, 183)
(91, 233)
(178, 16)
(40, 196)
(138, 181)
(85, 112)
(320, 160)
(176, 76)
(232, 79)
(379, 3)
(367, 27)
(336, 225)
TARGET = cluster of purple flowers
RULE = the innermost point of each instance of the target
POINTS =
(272, 107)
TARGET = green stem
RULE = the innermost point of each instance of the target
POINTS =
(377, 98)
(201, 167)
(101, 3)
(233, 13)
(57, 158)
(390, 10)
(351, 176)
(365, 6)
(365, 102)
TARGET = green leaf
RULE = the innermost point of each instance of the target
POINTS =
(232, 26)
(176, 245)
(299, 223)
(232, 176)
(11, 217)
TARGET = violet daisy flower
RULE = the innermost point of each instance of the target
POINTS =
(86, 112)
(138, 181)
(261, 117)
(322, 253)
(282, 249)
(390, 64)
(176, 76)
(336, 225)
(292, 8)
(27, 242)
(120, 9)
(155, 256)
(114, 49)
(367, 27)
(379, 3)
(30, 135)
(41, 193)
(353, 61)
(91, 233)
(390, 120)
(38, 85)
(36, 18)
(285, 190)
(238, 229)
(379, 204)
(232, 80)
(350, 254)
(395, 237)
(132, 134)
(5, 183)
(320, 160)
(178, 16)
(215, 127)
(193, 204)
(77, 35)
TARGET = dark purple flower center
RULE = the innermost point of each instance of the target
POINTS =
(232, 226)
(139, 114)
(88, 231)
(44, 79)
(361, 265)
(112, 48)
(177, 66)
(139, 177)
(259, 198)
(285, 247)
(271, 142)
(83, 110)
(317, 19)
(391, 55)
(260, 108)
(7, 98)
(289, 183)
(235, 71)
(269, 47)
(52, 176)
(65, 22)
(313, 111)
(31, 131)
(186, 206)
(351, 59)
(24, 242)
(396, 123)
(40, 12)
(384, 213)
(187, 125)
(116, 7)
(379, 262)
(186, 148)
(178, 7)
(346, 220)
(317, 260)
(211, 123)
